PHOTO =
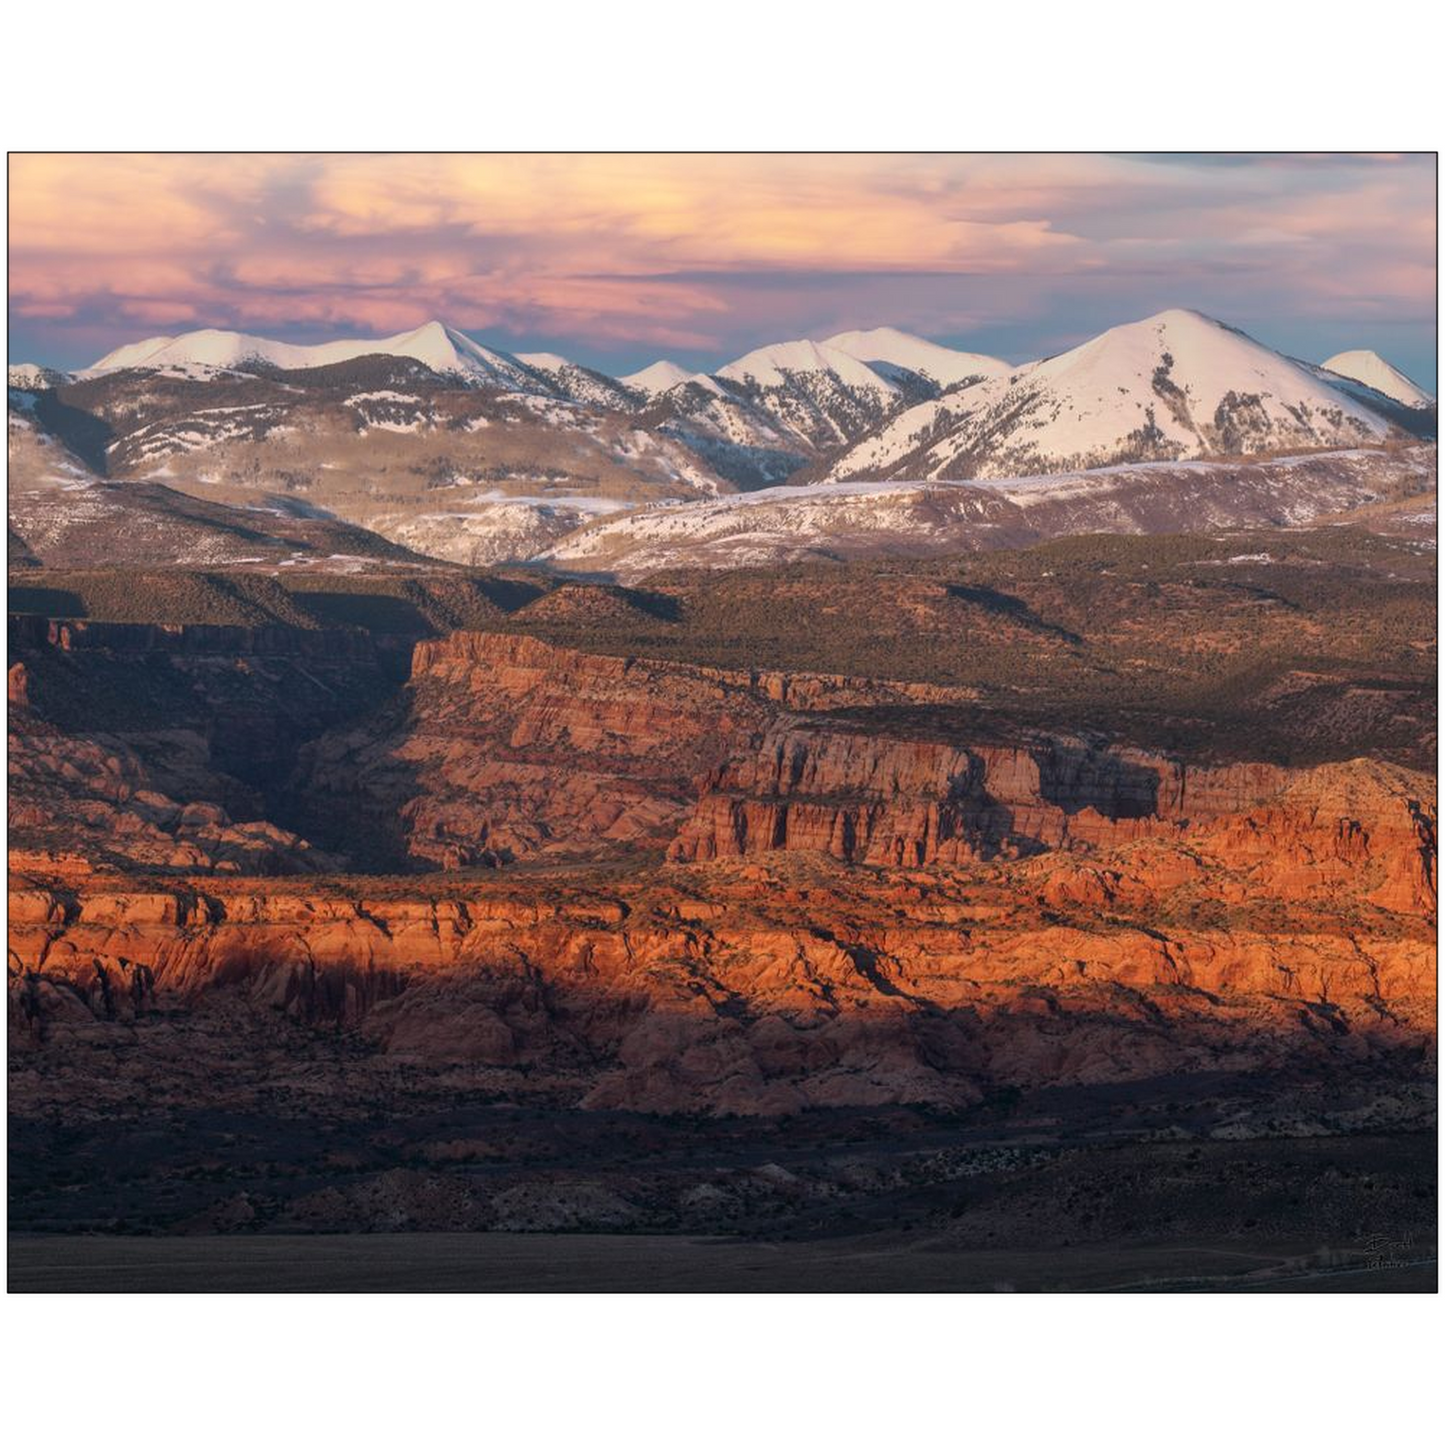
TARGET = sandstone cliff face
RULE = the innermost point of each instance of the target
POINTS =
(851, 912)
(1299, 832)
(875, 799)
(735, 988)
(506, 748)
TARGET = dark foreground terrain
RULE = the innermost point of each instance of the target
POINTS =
(1206, 1181)
(670, 1263)
(1058, 919)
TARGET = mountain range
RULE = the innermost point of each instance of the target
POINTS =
(1176, 386)
(451, 449)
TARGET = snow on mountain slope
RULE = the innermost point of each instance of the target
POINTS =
(135, 353)
(579, 383)
(464, 473)
(782, 363)
(451, 354)
(820, 396)
(27, 376)
(795, 401)
(720, 423)
(915, 519)
(443, 349)
(659, 377)
(36, 460)
(1174, 386)
(1374, 371)
(722, 411)
(939, 364)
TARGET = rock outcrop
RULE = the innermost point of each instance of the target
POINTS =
(746, 892)
(1272, 938)
(503, 748)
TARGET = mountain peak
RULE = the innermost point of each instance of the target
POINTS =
(1185, 316)
(1371, 369)
(29, 376)
(659, 377)
(1175, 385)
(891, 347)
(434, 344)
(772, 365)
(431, 328)
(874, 336)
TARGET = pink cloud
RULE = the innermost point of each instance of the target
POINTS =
(702, 252)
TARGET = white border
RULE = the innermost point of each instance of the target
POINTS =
(739, 76)
(742, 75)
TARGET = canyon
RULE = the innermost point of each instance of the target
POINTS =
(414, 898)
(785, 983)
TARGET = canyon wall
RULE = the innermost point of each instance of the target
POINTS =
(732, 987)
(169, 747)
(694, 930)
(503, 748)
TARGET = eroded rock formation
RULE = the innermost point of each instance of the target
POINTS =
(856, 907)
(1260, 940)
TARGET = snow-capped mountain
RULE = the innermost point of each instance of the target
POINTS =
(812, 397)
(886, 348)
(477, 455)
(762, 417)
(1372, 370)
(659, 377)
(721, 423)
(468, 473)
(578, 383)
(27, 376)
(822, 396)
(1177, 385)
(442, 348)
(781, 363)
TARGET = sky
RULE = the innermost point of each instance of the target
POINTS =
(617, 260)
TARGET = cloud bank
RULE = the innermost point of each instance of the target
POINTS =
(619, 259)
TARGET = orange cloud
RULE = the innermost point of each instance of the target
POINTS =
(680, 250)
